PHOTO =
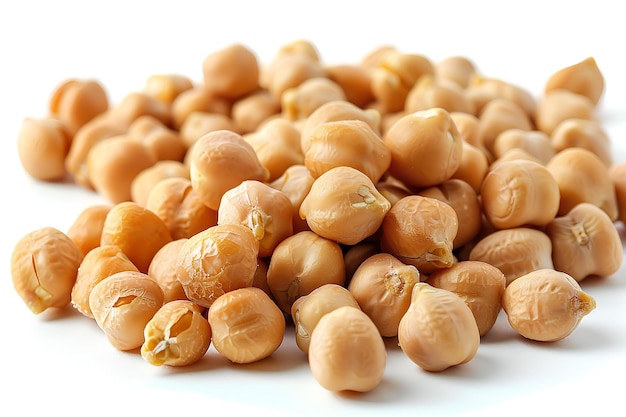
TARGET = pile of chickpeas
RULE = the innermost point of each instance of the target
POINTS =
(396, 197)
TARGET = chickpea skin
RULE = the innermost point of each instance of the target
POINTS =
(42, 146)
(162, 269)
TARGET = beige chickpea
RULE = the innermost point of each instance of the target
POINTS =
(346, 351)
(246, 325)
(144, 182)
(42, 146)
(382, 287)
(355, 81)
(277, 145)
(137, 231)
(86, 229)
(468, 126)
(514, 251)
(122, 304)
(260, 276)
(535, 142)
(166, 87)
(113, 164)
(136, 104)
(438, 330)
(199, 123)
(221, 160)
(162, 269)
(519, 193)
(300, 101)
(473, 167)
(289, 70)
(419, 231)
(295, 183)
(558, 105)
(301, 263)
(392, 189)
(455, 68)
(583, 133)
(97, 264)
(583, 178)
(617, 173)
(75, 102)
(429, 92)
(546, 305)
(344, 205)
(585, 242)
(264, 210)
(197, 99)
(425, 148)
(217, 260)
(231, 72)
(355, 255)
(177, 335)
(308, 309)
(479, 284)
(483, 89)
(498, 115)
(347, 143)
(165, 143)
(44, 265)
(248, 113)
(583, 77)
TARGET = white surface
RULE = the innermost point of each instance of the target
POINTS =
(60, 361)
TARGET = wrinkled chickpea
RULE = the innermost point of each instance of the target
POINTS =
(246, 325)
(44, 265)
(42, 146)
(86, 230)
(546, 305)
(162, 269)
(346, 351)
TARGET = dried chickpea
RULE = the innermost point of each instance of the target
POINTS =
(75, 102)
(300, 101)
(468, 126)
(122, 304)
(392, 189)
(144, 182)
(307, 310)
(217, 260)
(582, 178)
(438, 330)
(479, 284)
(301, 263)
(289, 70)
(165, 143)
(483, 89)
(582, 77)
(429, 92)
(347, 143)
(98, 264)
(166, 87)
(498, 115)
(197, 99)
(458, 69)
(382, 287)
(585, 242)
(473, 167)
(546, 305)
(221, 160)
(425, 148)
(583, 133)
(344, 205)
(519, 193)
(44, 265)
(346, 351)
(162, 269)
(617, 173)
(137, 104)
(199, 123)
(42, 146)
(535, 142)
(138, 232)
(355, 82)
(556, 106)
(419, 231)
(113, 164)
(180, 207)
(515, 251)
(295, 182)
(248, 113)
(86, 230)
(177, 335)
(246, 325)
(231, 72)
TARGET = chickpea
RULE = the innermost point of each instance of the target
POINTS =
(419, 231)
(165, 143)
(585, 243)
(197, 99)
(44, 265)
(263, 209)
(344, 205)
(556, 106)
(354, 256)
(535, 142)
(295, 183)
(166, 87)
(113, 164)
(162, 269)
(355, 81)
(122, 305)
(177, 335)
(248, 113)
(468, 126)
(260, 276)
(617, 173)
(519, 193)
(546, 305)
(473, 167)
(514, 251)
(231, 72)
(75, 102)
(438, 330)
(199, 123)
(583, 133)
(425, 148)
(582, 77)
(346, 351)
(479, 284)
(137, 104)
(179, 206)
(97, 264)
(482, 90)
(221, 160)
(429, 92)
(42, 146)
(392, 189)
(138, 232)
(349, 143)
(301, 263)
(144, 182)
(217, 260)
(289, 70)
(86, 230)
(308, 309)
(498, 115)
(458, 69)
(382, 287)
(246, 325)
(582, 177)
(300, 101)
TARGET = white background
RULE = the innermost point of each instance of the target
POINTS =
(60, 361)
